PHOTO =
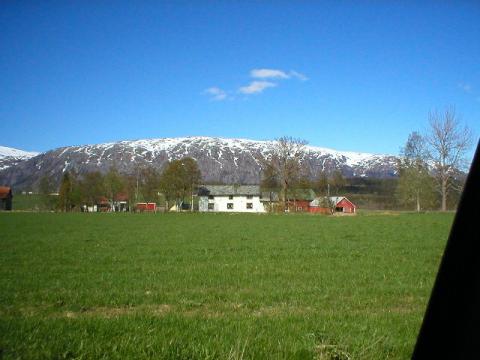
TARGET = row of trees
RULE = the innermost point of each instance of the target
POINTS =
(433, 164)
(431, 167)
(175, 184)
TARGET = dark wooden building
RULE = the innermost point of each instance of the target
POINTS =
(6, 198)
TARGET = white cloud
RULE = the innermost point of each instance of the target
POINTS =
(268, 73)
(465, 87)
(298, 75)
(256, 87)
(216, 93)
(262, 79)
(276, 74)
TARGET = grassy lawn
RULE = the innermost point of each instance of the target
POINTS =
(215, 286)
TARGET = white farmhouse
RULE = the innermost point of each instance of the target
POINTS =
(230, 198)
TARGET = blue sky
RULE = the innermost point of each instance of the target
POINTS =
(344, 75)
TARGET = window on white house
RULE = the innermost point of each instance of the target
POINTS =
(249, 205)
(230, 197)
(210, 206)
(210, 197)
(230, 206)
(249, 196)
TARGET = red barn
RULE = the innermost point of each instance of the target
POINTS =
(5, 198)
(344, 205)
(148, 207)
(300, 200)
(338, 204)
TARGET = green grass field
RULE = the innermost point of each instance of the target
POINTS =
(215, 286)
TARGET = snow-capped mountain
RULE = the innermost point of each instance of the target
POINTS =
(10, 156)
(220, 160)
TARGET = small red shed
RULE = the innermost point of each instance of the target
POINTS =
(346, 206)
(339, 204)
(5, 198)
(148, 207)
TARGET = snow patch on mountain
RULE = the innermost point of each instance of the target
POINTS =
(155, 146)
(12, 152)
(11, 156)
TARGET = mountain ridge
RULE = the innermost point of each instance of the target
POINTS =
(220, 159)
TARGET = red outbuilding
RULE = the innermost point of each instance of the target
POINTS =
(332, 204)
(344, 205)
(5, 198)
(147, 207)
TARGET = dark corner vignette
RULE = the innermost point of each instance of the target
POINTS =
(451, 326)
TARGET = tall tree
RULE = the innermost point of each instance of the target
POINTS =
(149, 184)
(415, 183)
(193, 177)
(113, 184)
(448, 142)
(286, 163)
(179, 180)
(322, 184)
(130, 187)
(338, 182)
(93, 187)
(269, 182)
(45, 188)
(76, 194)
(65, 193)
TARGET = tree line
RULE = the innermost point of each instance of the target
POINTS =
(432, 165)
(431, 169)
(175, 184)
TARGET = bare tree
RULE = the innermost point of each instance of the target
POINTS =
(113, 183)
(415, 183)
(286, 163)
(338, 182)
(448, 141)
(193, 177)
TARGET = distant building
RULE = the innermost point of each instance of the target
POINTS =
(6, 198)
(300, 199)
(121, 203)
(146, 207)
(332, 204)
(103, 204)
(230, 198)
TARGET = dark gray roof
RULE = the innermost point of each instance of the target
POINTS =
(226, 190)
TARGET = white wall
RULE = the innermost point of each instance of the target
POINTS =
(239, 204)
